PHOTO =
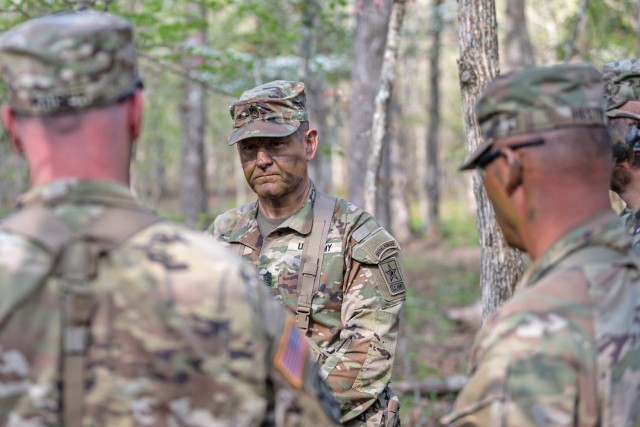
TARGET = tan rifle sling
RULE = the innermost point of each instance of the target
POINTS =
(76, 255)
(312, 255)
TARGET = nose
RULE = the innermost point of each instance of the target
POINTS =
(263, 159)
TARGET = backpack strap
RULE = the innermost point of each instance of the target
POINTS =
(312, 255)
(75, 259)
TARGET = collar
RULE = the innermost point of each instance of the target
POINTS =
(602, 229)
(79, 191)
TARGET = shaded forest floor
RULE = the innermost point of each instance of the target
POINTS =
(440, 275)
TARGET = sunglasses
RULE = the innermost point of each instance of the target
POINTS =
(490, 155)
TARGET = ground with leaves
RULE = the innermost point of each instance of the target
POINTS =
(440, 275)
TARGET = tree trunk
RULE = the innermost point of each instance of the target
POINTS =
(637, 10)
(368, 49)
(432, 178)
(501, 266)
(193, 193)
(398, 206)
(517, 51)
(582, 13)
(320, 166)
(382, 102)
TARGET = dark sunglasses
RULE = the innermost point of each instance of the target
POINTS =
(490, 155)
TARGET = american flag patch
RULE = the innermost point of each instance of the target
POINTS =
(292, 355)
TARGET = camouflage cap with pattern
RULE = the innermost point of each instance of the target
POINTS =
(69, 61)
(271, 109)
(621, 84)
(536, 99)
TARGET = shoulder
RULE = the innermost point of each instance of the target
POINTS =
(232, 219)
(552, 317)
(370, 242)
(528, 363)
(191, 261)
(19, 254)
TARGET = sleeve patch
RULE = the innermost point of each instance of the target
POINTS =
(392, 276)
(292, 355)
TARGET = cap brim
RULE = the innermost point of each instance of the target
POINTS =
(621, 114)
(470, 161)
(262, 129)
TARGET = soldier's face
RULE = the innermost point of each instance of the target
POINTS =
(495, 179)
(624, 135)
(275, 167)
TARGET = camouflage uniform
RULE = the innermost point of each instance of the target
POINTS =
(565, 350)
(354, 315)
(622, 84)
(180, 333)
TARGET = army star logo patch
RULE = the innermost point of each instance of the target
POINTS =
(392, 276)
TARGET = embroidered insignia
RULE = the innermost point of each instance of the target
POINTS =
(267, 278)
(392, 276)
(291, 357)
(383, 247)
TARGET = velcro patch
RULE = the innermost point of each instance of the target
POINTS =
(392, 276)
(291, 357)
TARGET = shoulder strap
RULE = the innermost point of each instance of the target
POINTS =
(312, 255)
(75, 256)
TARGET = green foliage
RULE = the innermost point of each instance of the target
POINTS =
(458, 224)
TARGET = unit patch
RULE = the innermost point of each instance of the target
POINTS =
(291, 357)
(392, 276)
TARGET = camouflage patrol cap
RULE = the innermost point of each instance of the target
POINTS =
(69, 61)
(536, 99)
(621, 84)
(271, 109)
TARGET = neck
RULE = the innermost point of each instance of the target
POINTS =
(91, 155)
(553, 221)
(287, 205)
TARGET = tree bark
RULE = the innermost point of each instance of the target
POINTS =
(368, 50)
(193, 192)
(382, 102)
(517, 50)
(320, 166)
(432, 178)
(501, 266)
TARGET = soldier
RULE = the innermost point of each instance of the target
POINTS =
(109, 315)
(622, 98)
(327, 260)
(565, 350)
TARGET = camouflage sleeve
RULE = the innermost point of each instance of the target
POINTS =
(524, 373)
(299, 396)
(360, 370)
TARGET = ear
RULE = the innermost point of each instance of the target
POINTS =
(311, 143)
(134, 114)
(10, 124)
(514, 170)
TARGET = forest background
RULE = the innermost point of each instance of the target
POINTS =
(196, 57)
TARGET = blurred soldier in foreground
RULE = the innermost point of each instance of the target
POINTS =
(327, 260)
(108, 315)
(565, 350)
(622, 97)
